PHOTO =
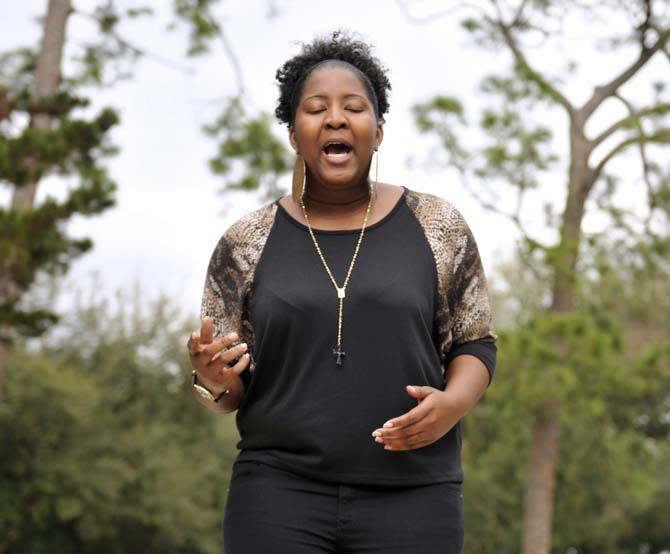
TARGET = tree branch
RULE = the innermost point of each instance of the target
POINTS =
(437, 15)
(660, 137)
(136, 49)
(532, 74)
(632, 118)
(643, 157)
(605, 91)
(517, 16)
(237, 68)
(229, 51)
(493, 207)
(514, 217)
(151, 55)
(666, 51)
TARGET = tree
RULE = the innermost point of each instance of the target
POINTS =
(98, 422)
(104, 450)
(615, 393)
(250, 157)
(58, 138)
(518, 153)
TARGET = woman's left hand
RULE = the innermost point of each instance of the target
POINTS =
(436, 413)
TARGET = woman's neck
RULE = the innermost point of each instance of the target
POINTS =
(337, 202)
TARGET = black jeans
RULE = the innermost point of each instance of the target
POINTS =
(272, 511)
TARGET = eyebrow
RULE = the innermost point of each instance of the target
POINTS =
(345, 96)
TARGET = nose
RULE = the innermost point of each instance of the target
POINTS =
(335, 118)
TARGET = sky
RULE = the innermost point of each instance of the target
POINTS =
(170, 213)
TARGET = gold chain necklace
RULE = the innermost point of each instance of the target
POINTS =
(341, 291)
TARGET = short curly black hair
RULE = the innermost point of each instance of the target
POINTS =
(340, 46)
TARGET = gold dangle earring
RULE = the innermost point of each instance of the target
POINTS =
(299, 177)
(376, 152)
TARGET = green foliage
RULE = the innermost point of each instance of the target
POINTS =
(515, 151)
(249, 154)
(34, 241)
(444, 116)
(16, 71)
(104, 449)
(110, 57)
(70, 146)
(615, 390)
(54, 135)
(203, 27)
(471, 24)
(607, 362)
(627, 277)
(518, 153)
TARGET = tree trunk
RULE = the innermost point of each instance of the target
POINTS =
(47, 77)
(541, 478)
(539, 497)
(46, 81)
(4, 354)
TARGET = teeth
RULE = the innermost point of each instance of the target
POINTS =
(337, 157)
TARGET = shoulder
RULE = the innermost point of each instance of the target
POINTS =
(242, 243)
(251, 227)
(434, 213)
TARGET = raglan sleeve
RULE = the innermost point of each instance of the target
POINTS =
(468, 300)
(224, 292)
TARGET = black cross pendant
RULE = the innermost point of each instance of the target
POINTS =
(339, 353)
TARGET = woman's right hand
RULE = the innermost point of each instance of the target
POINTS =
(211, 358)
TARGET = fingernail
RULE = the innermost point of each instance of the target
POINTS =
(216, 356)
(194, 335)
(246, 356)
(376, 434)
(233, 336)
(379, 440)
(243, 346)
(387, 447)
(388, 424)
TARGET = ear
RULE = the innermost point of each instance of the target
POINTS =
(380, 135)
(292, 140)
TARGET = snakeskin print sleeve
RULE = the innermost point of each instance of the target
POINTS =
(463, 314)
(227, 292)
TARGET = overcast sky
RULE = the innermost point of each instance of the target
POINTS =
(169, 214)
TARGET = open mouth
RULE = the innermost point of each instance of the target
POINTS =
(337, 151)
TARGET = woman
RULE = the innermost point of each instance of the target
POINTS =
(349, 325)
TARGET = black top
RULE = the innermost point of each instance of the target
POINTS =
(304, 413)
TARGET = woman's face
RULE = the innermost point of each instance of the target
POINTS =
(335, 127)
